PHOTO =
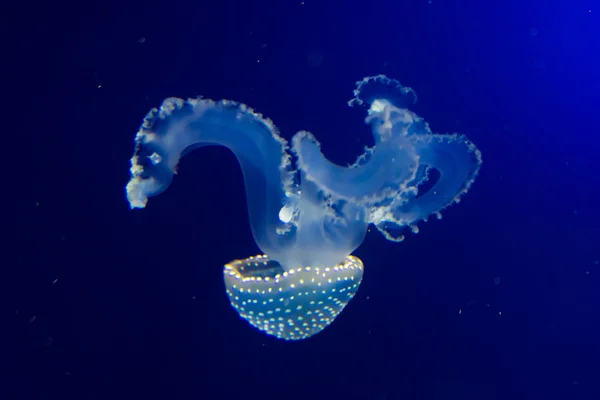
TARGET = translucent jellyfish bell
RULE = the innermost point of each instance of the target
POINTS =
(308, 221)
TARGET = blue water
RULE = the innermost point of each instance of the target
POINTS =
(497, 300)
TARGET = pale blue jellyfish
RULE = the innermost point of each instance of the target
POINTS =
(307, 221)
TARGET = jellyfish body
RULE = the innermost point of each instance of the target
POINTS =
(290, 304)
(308, 221)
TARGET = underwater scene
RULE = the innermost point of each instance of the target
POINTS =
(304, 200)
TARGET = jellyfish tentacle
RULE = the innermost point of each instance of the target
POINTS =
(180, 126)
(457, 161)
(387, 167)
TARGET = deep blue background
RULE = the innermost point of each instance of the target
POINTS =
(499, 300)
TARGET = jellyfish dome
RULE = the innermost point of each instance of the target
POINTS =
(308, 220)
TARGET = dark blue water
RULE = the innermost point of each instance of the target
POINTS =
(498, 300)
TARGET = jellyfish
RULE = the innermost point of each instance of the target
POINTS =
(307, 214)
